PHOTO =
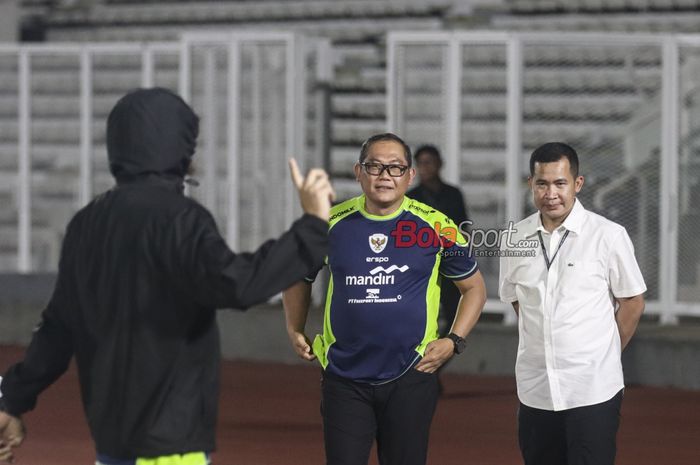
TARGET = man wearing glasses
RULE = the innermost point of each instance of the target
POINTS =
(388, 255)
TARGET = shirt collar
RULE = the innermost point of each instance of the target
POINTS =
(573, 222)
(361, 207)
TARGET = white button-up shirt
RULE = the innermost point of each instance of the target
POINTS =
(569, 350)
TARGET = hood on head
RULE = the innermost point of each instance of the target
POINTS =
(151, 131)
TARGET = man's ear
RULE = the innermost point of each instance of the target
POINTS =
(358, 170)
(411, 175)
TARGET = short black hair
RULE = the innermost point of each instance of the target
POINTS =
(430, 150)
(554, 151)
(386, 136)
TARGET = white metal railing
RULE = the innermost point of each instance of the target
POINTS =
(292, 119)
(85, 52)
(667, 46)
(292, 123)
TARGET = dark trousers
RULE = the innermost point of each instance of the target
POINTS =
(397, 414)
(578, 436)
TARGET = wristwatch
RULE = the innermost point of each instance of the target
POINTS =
(458, 341)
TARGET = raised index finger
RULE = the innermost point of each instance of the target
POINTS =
(297, 178)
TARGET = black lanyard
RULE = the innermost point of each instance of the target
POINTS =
(544, 250)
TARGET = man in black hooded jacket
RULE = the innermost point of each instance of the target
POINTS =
(142, 270)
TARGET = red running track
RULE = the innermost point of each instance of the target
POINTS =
(269, 415)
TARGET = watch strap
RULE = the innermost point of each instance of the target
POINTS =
(459, 342)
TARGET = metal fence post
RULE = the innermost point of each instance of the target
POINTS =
(669, 182)
(324, 75)
(391, 91)
(514, 145)
(86, 115)
(233, 143)
(24, 207)
(210, 130)
(453, 105)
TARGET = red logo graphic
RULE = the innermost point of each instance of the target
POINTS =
(407, 234)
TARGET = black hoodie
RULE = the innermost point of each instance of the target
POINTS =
(142, 270)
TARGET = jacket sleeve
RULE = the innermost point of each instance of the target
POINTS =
(49, 352)
(221, 278)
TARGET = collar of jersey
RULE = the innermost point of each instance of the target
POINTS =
(361, 207)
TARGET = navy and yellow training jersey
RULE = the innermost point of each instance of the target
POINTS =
(384, 291)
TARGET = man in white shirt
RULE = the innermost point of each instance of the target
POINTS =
(578, 300)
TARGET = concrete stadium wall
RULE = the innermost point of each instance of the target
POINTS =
(657, 356)
(22, 298)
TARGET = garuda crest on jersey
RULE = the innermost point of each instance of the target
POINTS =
(377, 242)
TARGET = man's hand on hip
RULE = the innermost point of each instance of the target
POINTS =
(436, 354)
(302, 345)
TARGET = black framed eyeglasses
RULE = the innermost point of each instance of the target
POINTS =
(376, 169)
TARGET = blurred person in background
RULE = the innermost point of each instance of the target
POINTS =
(578, 302)
(142, 270)
(380, 347)
(448, 199)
